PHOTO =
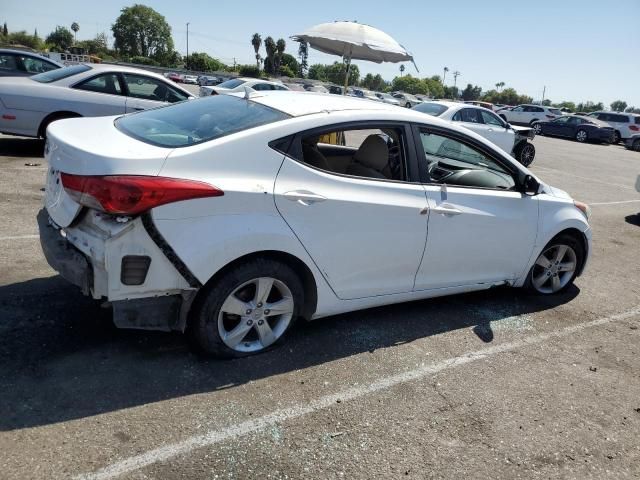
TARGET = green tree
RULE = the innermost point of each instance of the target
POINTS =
(499, 85)
(401, 69)
(256, 41)
(508, 96)
(471, 92)
(618, 106)
(24, 39)
(318, 71)
(75, 27)
(141, 31)
(632, 110)
(249, 71)
(290, 62)
(60, 39)
(280, 47)
(303, 55)
(409, 84)
(205, 63)
(570, 105)
(269, 61)
(335, 73)
(546, 102)
(589, 107)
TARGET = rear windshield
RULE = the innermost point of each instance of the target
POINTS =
(196, 121)
(555, 111)
(233, 83)
(60, 73)
(434, 109)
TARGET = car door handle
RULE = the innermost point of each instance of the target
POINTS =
(491, 129)
(304, 197)
(446, 209)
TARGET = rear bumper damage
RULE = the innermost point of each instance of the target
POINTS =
(92, 255)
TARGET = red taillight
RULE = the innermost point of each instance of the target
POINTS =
(130, 195)
(634, 128)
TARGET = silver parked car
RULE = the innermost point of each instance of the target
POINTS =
(30, 104)
(17, 63)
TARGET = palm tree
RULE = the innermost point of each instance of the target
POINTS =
(75, 27)
(256, 41)
(401, 69)
(280, 46)
(499, 85)
(446, 69)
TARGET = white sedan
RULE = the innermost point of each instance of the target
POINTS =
(29, 104)
(238, 85)
(511, 139)
(230, 217)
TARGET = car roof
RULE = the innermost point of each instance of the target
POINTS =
(306, 103)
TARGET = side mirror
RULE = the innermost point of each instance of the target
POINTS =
(507, 125)
(530, 186)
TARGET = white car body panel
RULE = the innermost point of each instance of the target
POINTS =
(364, 245)
(30, 102)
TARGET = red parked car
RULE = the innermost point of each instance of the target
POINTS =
(176, 77)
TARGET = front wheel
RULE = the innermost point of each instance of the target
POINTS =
(582, 136)
(525, 152)
(408, 105)
(248, 310)
(556, 267)
(537, 128)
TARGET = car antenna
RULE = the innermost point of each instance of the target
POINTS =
(247, 92)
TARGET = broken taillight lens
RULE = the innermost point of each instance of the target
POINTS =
(130, 194)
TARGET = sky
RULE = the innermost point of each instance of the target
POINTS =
(579, 50)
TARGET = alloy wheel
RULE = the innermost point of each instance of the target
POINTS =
(527, 154)
(581, 136)
(636, 145)
(255, 315)
(554, 269)
(537, 128)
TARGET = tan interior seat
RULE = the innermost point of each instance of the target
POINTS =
(371, 158)
(312, 155)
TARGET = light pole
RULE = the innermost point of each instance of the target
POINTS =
(456, 74)
(187, 45)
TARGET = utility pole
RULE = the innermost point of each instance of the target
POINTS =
(456, 74)
(544, 90)
(187, 45)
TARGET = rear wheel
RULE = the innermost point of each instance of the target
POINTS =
(636, 145)
(616, 137)
(582, 136)
(248, 310)
(533, 122)
(408, 105)
(42, 131)
(556, 267)
(537, 128)
(525, 152)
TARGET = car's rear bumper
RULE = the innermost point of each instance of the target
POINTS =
(62, 256)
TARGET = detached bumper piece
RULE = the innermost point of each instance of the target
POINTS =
(63, 257)
(151, 313)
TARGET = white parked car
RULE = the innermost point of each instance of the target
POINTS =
(512, 139)
(529, 114)
(29, 104)
(191, 79)
(238, 85)
(406, 99)
(229, 218)
(625, 124)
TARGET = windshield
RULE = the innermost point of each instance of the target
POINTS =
(196, 121)
(233, 83)
(434, 109)
(60, 73)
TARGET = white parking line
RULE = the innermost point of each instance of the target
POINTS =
(212, 437)
(20, 237)
(615, 203)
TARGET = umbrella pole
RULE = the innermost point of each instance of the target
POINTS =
(346, 77)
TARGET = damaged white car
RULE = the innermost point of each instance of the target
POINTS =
(231, 217)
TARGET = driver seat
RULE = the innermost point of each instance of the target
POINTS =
(371, 158)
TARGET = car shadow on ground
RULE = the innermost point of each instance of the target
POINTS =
(21, 147)
(633, 219)
(61, 358)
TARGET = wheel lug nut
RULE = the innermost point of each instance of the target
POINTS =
(260, 305)
(249, 322)
(260, 322)
(266, 312)
(248, 311)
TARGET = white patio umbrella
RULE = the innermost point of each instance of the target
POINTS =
(354, 41)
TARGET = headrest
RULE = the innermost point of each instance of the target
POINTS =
(373, 153)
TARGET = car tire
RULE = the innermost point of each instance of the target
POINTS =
(407, 105)
(582, 136)
(533, 122)
(42, 131)
(557, 266)
(537, 128)
(525, 153)
(616, 137)
(635, 146)
(237, 302)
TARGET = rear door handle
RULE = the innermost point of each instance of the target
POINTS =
(446, 209)
(304, 197)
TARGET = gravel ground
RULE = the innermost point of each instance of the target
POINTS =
(495, 384)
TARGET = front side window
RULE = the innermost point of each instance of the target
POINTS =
(453, 162)
(262, 86)
(60, 73)
(197, 121)
(368, 152)
(490, 118)
(518, 109)
(148, 88)
(560, 121)
(107, 83)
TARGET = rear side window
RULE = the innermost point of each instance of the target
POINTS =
(196, 121)
(637, 120)
(60, 73)
(555, 111)
(618, 118)
(8, 62)
(233, 83)
(431, 108)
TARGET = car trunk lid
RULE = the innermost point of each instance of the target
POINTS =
(92, 146)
